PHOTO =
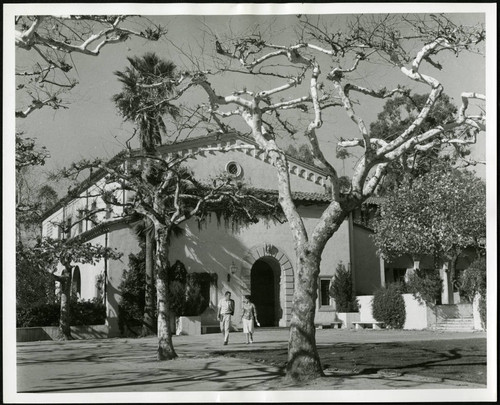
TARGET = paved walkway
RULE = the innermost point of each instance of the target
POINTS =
(125, 365)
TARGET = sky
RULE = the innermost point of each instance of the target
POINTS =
(91, 126)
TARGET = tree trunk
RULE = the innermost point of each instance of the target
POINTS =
(148, 325)
(64, 317)
(303, 359)
(165, 346)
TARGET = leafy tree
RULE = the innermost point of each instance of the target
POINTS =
(146, 82)
(313, 76)
(425, 286)
(302, 153)
(27, 153)
(439, 214)
(31, 197)
(45, 256)
(342, 290)
(473, 279)
(34, 285)
(397, 114)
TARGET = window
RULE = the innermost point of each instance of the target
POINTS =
(76, 283)
(324, 292)
(93, 216)
(398, 275)
(234, 169)
(69, 228)
(80, 223)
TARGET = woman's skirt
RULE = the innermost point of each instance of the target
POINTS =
(248, 325)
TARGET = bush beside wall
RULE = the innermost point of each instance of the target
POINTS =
(389, 306)
(83, 312)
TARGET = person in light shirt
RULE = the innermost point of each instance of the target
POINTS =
(224, 313)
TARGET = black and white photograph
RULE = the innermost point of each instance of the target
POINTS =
(288, 202)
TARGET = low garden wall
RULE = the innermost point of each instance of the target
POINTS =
(417, 314)
(35, 334)
(365, 308)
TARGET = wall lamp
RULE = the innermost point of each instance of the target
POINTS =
(232, 271)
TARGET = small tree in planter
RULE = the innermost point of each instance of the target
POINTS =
(342, 291)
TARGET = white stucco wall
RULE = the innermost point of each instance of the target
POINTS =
(214, 248)
(475, 313)
(416, 313)
(89, 273)
(257, 171)
(365, 308)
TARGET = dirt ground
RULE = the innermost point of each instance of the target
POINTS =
(461, 360)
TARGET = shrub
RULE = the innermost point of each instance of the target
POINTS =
(41, 315)
(197, 294)
(473, 281)
(341, 290)
(188, 292)
(389, 306)
(92, 312)
(425, 286)
(132, 289)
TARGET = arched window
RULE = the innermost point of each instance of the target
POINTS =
(76, 282)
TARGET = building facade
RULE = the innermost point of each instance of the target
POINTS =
(256, 259)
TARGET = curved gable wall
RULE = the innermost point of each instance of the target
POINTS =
(257, 171)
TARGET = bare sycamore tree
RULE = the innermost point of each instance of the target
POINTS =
(314, 77)
(167, 195)
(52, 40)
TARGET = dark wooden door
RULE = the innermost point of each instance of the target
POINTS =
(263, 293)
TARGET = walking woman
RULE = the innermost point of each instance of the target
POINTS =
(249, 314)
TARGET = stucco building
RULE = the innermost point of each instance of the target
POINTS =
(256, 259)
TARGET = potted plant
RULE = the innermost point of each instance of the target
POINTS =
(341, 290)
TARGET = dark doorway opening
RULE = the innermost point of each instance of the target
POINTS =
(265, 292)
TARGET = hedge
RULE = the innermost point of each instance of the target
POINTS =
(92, 312)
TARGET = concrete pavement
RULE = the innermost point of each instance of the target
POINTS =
(129, 365)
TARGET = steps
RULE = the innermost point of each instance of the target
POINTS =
(455, 325)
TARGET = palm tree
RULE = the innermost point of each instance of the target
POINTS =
(148, 84)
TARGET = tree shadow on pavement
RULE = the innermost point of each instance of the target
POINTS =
(163, 376)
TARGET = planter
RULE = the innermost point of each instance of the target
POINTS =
(188, 325)
(34, 334)
(348, 318)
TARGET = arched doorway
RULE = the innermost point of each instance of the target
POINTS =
(76, 282)
(265, 287)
